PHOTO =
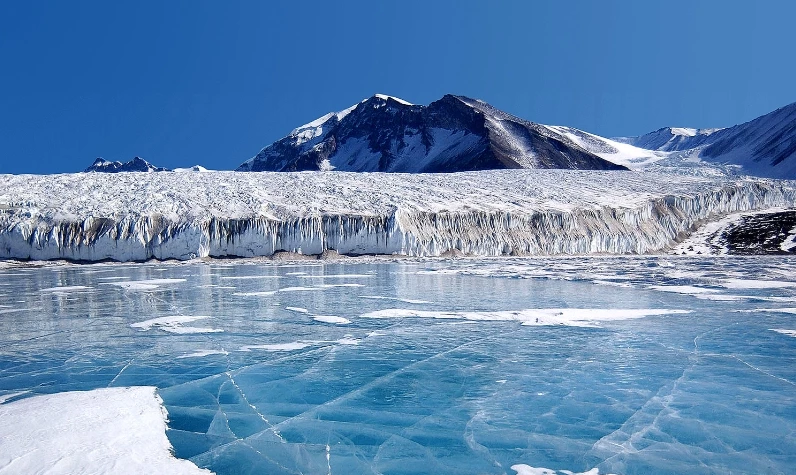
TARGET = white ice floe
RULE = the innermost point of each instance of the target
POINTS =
(150, 284)
(297, 309)
(683, 289)
(174, 324)
(105, 431)
(203, 353)
(291, 346)
(784, 331)
(523, 469)
(265, 293)
(299, 345)
(756, 284)
(581, 317)
(331, 319)
(397, 299)
(722, 297)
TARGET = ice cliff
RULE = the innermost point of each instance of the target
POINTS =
(133, 216)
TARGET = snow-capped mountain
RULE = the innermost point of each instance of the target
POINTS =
(195, 168)
(671, 139)
(455, 133)
(137, 164)
(765, 146)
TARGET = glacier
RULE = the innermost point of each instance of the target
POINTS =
(136, 217)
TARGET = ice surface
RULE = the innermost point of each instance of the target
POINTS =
(103, 431)
(688, 385)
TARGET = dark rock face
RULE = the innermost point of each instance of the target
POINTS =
(768, 139)
(453, 134)
(761, 234)
(137, 164)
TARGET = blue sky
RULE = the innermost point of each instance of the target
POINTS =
(198, 82)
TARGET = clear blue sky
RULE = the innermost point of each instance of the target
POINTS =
(198, 82)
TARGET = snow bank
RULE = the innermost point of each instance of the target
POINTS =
(114, 431)
(133, 217)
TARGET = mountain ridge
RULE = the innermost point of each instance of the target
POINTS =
(137, 164)
(455, 133)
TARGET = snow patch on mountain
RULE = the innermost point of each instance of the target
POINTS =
(396, 99)
(614, 151)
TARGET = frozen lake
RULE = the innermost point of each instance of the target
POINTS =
(497, 366)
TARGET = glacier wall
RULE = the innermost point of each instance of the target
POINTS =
(607, 212)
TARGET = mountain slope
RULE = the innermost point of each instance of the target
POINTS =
(672, 139)
(765, 146)
(455, 133)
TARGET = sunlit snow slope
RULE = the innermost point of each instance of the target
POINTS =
(135, 216)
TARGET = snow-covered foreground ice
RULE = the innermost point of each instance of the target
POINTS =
(647, 365)
(110, 430)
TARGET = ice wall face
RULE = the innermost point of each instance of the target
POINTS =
(131, 216)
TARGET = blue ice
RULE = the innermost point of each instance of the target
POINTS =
(475, 366)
